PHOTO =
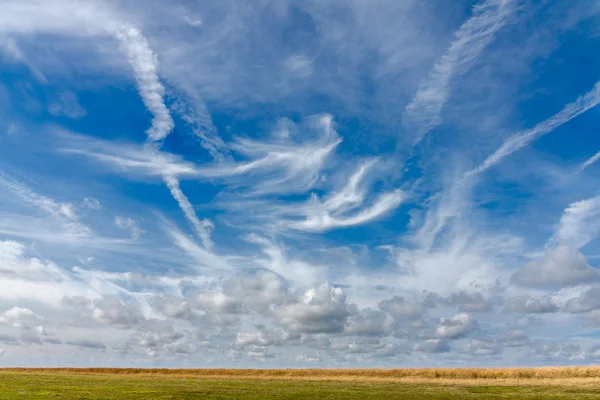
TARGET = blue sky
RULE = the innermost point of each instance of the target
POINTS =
(299, 183)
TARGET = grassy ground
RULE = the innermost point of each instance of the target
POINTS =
(303, 384)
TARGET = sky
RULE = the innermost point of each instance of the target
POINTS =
(285, 183)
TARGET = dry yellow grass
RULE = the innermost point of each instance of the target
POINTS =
(495, 376)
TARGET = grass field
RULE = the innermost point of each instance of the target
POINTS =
(543, 383)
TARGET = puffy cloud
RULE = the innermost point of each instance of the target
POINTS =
(320, 310)
(369, 323)
(403, 310)
(563, 266)
(113, 311)
(456, 327)
(260, 291)
(470, 302)
(19, 317)
(530, 305)
(587, 301)
(219, 302)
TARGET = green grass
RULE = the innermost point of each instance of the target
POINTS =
(61, 385)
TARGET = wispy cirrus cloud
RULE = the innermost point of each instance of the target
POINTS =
(67, 211)
(521, 139)
(590, 161)
(423, 113)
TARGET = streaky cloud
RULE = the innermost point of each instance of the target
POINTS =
(522, 139)
(423, 113)
(202, 228)
(590, 161)
(144, 63)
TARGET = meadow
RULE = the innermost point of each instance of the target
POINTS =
(101, 383)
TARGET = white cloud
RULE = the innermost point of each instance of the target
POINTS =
(589, 162)
(433, 346)
(522, 139)
(202, 228)
(19, 317)
(321, 310)
(456, 327)
(579, 224)
(279, 166)
(129, 224)
(68, 105)
(67, 211)
(488, 17)
(319, 219)
(145, 67)
(91, 203)
(531, 305)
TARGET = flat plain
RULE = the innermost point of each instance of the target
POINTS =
(228, 384)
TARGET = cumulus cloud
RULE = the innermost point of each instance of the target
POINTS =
(470, 302)
(586, 301)
(320, 310)
(456, 327)
(19, 317)
(531, 305)
(563, 266)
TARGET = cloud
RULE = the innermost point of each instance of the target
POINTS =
(531, 305)
(369, 323)
(579, 224)
(67, 105)
(470, 302)
(478, 347)
(321, 310)
(521, 139)
(280, 166)
(456, 327)
(145, 67)
(195, 114)
(433, 346)
(19, 317)
(91, 203)
(87, 344)
(586, 301)
(318, 219)
(129, 224)
(129, 158)
(403, 310)
(111, 310)
(201, 228)
(589, 162)
(563, 266)
(66, 211)
(423, 113)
